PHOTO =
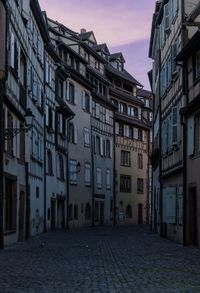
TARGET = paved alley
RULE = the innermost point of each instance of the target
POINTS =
(120, 259)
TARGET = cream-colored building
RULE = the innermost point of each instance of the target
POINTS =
(131, 146)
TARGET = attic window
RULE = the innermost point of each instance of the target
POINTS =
(119, 66)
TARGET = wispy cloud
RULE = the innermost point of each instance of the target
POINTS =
(116, 22)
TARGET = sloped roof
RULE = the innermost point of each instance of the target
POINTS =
(123, 74)
(100, 47)
(86, 36)
(115, 56)
(144, 93)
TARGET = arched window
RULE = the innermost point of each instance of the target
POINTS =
(128, 212)
(70, 212)
(87, 211)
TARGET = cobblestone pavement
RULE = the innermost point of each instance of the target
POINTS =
(120, 259)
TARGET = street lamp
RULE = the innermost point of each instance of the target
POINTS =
(9, 133)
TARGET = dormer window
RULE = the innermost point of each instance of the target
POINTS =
(119, 66)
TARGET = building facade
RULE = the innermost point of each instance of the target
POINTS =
(170, 31)
(89, 129)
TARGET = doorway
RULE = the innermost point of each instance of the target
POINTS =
(21, 223)
(140, 213)
(53, 214)
(193, 239)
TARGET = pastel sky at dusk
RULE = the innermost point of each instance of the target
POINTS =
(123, 24)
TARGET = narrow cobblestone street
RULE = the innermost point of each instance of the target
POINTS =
(121, 259)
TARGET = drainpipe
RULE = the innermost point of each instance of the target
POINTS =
(114, 177)
(184, 124)
(160, 157)
(92, 158)
(3, 77)
(44, 151)
(67, 171)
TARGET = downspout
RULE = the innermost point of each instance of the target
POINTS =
(92, 158)
(160, 157)
(44, 125)
(4, 21)
(114, 177)
(67, 172)
(183, 123)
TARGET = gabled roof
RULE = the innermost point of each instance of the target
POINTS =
(123, 74)
(116, 56)
(144, 93)
(58, 24)
(101, 47)
(86, 36)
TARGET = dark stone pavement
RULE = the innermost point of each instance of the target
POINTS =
(104, 259)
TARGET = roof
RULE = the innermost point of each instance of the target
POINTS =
(144, 93)
(115, 56)
(98, 74)
(131, 120)
(122, 95)
(58, 24)
(100, 47)
(86, 36)
(123, 74)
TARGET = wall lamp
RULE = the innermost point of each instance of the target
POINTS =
(9, 133)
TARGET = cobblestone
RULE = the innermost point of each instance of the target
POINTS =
(104, 259)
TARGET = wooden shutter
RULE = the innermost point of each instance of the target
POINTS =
(83, 100)
(75, 94)
(111, 149)
(174, 125)
(75, 134)
(12, 50)
(67, 90)
(101, 146)
(90, 104)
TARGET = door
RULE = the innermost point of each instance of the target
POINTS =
(140, 213)
(53, 214)
(101, 213)
(193, 216)
(21, 223)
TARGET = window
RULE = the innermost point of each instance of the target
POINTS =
(50, 118)
(125, 158)
(98, 145)
(108, 149)
(87, 174)
(37, 192)
(125, 183)
(10, 204)
(61, 167)
(123, 108)
(128, 212)
(107, 116)
(108, 179)
(197, 65)
(49, 163)
(99, 178)
(140, 134)
(86, 137)
(140, 185)
(86, 102)
(132, 111)
(71, 93)
(73, 172)
(14, 54)
(73, 134)
(87, 212)
(75, 212)
(196, 132)
(60, 89)
(140, 161)
(10, 141)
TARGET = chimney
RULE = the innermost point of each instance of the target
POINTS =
(83, 30)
